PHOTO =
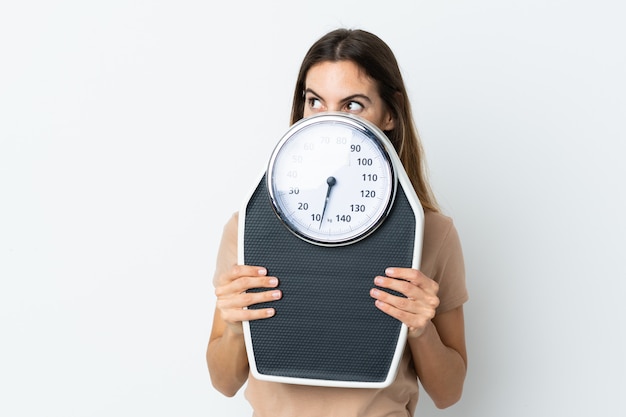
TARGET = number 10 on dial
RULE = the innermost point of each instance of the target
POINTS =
(331, 180)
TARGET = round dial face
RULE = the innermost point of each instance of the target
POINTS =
(331, 180)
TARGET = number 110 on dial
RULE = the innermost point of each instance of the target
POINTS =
(331, 180)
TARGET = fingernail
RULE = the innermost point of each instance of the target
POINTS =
(262, 271)
(276, 295)
(378, 280)
(273, 282)
(270, 312)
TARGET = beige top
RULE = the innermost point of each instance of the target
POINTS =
(442, 260)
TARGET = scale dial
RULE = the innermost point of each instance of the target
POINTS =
(331, 180)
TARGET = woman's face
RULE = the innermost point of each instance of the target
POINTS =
(342, 86)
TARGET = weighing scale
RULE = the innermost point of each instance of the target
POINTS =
(333, 209)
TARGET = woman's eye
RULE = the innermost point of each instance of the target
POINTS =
(315, 103)
(354, 107)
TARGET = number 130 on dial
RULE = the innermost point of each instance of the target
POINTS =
(331, 180)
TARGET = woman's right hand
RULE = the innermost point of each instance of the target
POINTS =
(233, 298)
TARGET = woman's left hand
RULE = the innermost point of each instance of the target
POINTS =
(420, 304)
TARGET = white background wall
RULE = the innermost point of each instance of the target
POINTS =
(131, 130)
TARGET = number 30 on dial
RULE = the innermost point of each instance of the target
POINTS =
(331, 180)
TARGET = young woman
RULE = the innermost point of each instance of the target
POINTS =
(354, 71)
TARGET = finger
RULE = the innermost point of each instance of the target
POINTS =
(411, 319)
(415, 322)
(406, 288)
(245, 283)
(400, 303)
(239, 315)
(238, 271)
(413, 276)
(415, 299)
(247, 299)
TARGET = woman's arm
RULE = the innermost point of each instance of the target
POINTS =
(437, 342)
(440, 357)
(226, 353)
(226, 358)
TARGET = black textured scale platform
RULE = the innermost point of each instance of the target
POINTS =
(326, 326)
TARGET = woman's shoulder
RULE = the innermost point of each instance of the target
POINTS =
(230, 234)
(440, 237)
(437, 222)
(232, 223)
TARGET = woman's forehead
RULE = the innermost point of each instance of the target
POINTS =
(341, 78)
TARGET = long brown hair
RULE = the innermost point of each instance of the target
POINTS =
(377, 60)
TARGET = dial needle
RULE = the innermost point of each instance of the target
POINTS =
(331, 181)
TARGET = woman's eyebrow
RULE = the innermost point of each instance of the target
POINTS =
(349, 98)
(310, 90)
(357, 96)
